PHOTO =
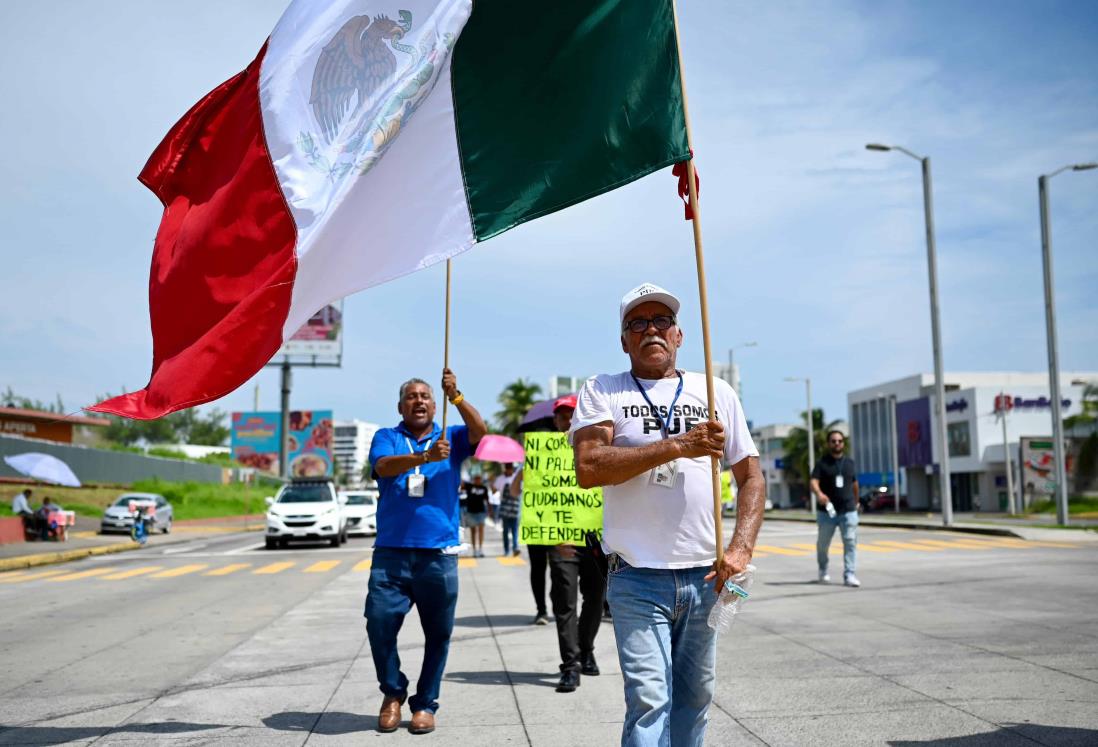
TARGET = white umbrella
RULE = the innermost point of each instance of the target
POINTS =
(43, 467)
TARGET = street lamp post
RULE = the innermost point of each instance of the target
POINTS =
(935, 331)
(895, 450)
(1053, 345)
(811, 438)
(732, 369)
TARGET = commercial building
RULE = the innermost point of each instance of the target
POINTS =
(352, 449)
(769, 440)
(975, 403)
(51, 426)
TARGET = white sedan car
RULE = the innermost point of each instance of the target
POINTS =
(360, 510)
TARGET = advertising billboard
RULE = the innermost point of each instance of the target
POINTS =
(1039, 466)
(321, 338)
(255, 440)
(913, 432)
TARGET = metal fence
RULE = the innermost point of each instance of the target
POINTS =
(100, 465)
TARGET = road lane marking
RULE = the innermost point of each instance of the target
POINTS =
(226, 570)
(82, 574)
(188, 548)
(838, 548)
(511, 561)
(955, 544)
(20, 576)
(362, 565)
(133, 572)
(781, 551)
(247, 548)
(908, 546)
(323, 566)
(274, 568)
(467, 562)
(182, 570)
(1001, 542)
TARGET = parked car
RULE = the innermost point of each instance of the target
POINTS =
(306, 509)
(118, 518)
(360, 510)
(881, 502)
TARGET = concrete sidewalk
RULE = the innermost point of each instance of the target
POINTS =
(1031, 528)
(85, 541)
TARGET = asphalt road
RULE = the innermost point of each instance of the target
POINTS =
(952, 639)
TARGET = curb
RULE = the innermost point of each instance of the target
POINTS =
(995, 531)
(50, 558)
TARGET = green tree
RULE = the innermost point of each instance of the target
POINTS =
(1086, 463)
(516, 399)
(186, 426)
(11, 399)
(796, 445)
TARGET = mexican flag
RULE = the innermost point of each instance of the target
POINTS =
(373, 138)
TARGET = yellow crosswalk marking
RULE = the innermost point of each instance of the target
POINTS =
(274, 568)
(182, 570)
(837, 547)
(323, 566)
(226, 570)
(782, 550)
(511, 561)
(954, 544)
(132, 572)
(19, 577)
(869, 547)
(362, 565)
(82, 574)
(908, 546)
(467, 562)
(1001, 542)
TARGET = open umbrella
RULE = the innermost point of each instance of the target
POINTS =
(43, 467)
(499, 449)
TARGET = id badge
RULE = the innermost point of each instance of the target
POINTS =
(839, 482)
(417, 485)
(664, 475)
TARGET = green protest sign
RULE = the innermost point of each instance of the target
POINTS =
(555, 509)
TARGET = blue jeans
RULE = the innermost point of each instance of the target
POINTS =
(667, 652)
(399, 578)
(510, 534)
(847, 524)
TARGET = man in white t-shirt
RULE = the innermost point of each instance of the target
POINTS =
(647, 437)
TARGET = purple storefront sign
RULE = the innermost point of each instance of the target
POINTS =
(913, 432)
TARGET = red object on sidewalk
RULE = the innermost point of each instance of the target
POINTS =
(223, 263)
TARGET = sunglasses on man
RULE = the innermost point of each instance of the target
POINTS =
(663, 322)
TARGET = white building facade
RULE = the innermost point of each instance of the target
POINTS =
(901, 415)
(352, 449)
(769, 441)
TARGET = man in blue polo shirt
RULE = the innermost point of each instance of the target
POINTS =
(418, 471)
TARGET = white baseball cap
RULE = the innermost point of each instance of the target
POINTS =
(643, 294)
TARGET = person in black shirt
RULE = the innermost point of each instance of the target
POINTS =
(476, 511)
(835, 485)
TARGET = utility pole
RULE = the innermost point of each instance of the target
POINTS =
(284, 435)
(895, 450)
(1011, 504)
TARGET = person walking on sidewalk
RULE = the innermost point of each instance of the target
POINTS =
(418, 469)
(476, 511)
(647, 437)
(539, 562)
(509, 509)
(835, 485)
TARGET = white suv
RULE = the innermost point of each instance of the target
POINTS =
(360, 509)
(305, 510)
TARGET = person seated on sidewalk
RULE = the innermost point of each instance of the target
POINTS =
(417, 467)
(51, 529)
(20, 506)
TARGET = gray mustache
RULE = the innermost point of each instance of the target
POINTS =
(656, 339)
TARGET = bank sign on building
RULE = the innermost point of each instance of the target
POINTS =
(975, 404)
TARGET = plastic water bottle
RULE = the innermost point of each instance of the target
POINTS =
(735, 592)
(831, 509)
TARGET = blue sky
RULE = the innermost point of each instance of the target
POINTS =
(814, 246)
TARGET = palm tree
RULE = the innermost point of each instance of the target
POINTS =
(796, 446)
(516, 399)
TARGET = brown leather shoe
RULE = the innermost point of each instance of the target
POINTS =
(389, 717)
(423, 722)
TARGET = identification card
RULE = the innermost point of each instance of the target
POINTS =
(839, 482)
(664, 475)
(417, 485)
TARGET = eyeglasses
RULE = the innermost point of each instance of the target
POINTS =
(662, 323)
(836, 441)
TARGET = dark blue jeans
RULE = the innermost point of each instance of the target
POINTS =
(399, 578)
(510, 534)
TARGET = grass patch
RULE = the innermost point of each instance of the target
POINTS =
(200, 500)
(1076, 505)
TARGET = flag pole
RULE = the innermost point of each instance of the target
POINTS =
(446, 346)
(702, 296)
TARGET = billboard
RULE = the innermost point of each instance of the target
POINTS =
(913, 432)
(320, 338)
(1039, 466)
(255, 439)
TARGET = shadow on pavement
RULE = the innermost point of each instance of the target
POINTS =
(1014, 734)
(495, 621)
(62, 734)
(330, 723)
(501, 678)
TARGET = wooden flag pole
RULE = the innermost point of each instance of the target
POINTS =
(446, 346)
(703, 301)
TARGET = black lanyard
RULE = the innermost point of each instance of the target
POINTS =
(665, 423)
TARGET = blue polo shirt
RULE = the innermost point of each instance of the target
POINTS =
(430, 521)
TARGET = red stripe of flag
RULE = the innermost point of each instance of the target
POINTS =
(223, 264)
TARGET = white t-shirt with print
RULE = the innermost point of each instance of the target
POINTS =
(649, 525)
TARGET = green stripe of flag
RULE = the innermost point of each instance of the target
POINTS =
(559, 102)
